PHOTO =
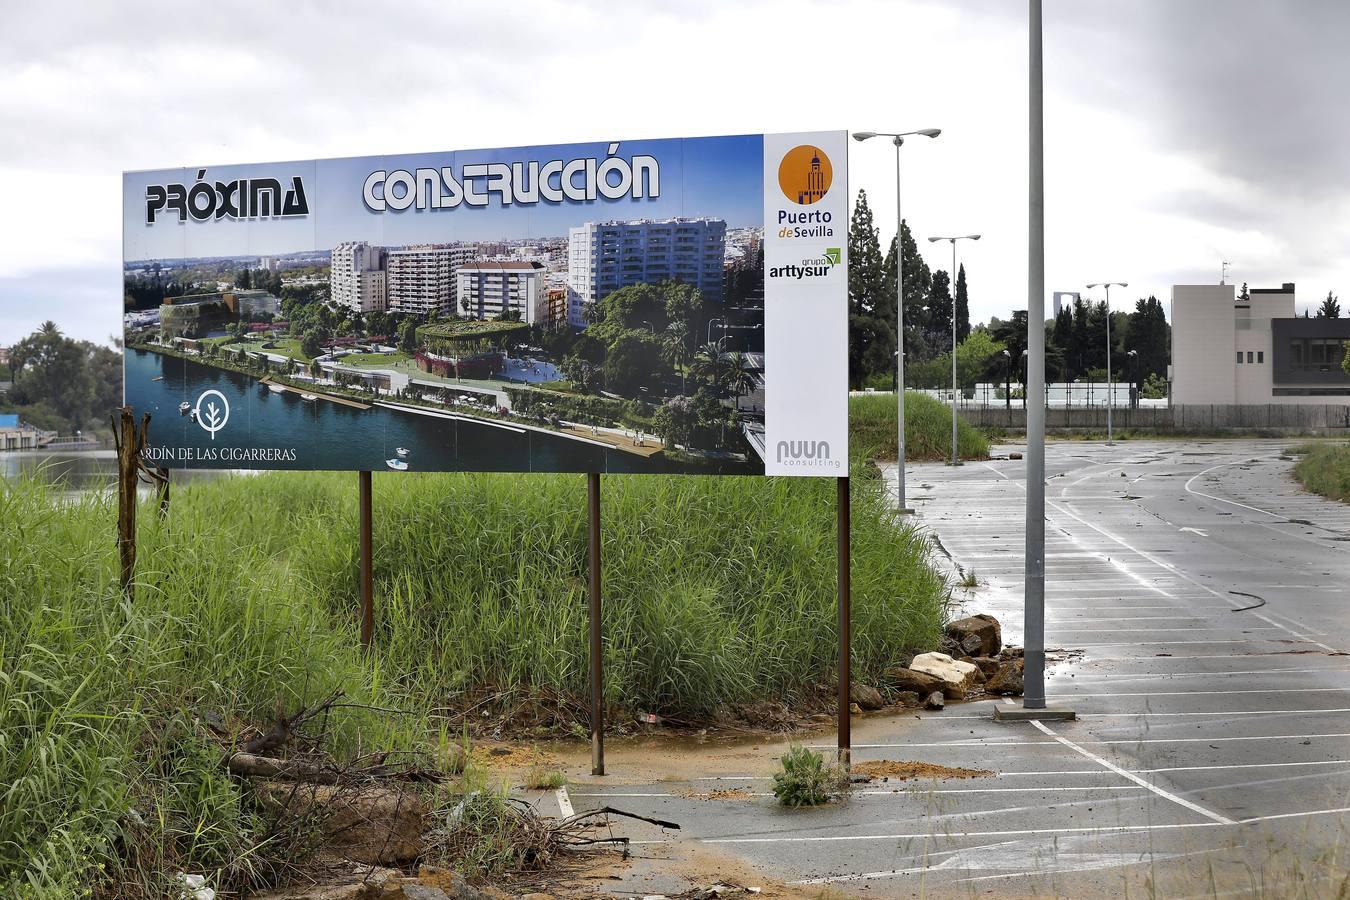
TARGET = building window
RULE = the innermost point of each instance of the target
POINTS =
(1249, 356)
(1260, 356)
(1315, 354)
(1239, 357)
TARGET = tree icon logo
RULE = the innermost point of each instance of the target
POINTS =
(211, 415)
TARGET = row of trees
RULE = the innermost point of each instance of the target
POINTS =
(1075, 339)
(62, 384)
(929, 297)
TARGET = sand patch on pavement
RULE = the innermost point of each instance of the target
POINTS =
(890, 768)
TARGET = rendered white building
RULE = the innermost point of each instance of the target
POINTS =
(489, 288)
(421, 280)
(1227, 351)
(605, 256)
(357, 277)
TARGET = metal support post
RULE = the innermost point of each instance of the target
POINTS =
(597, 650)
(845, 626)
(367, 565)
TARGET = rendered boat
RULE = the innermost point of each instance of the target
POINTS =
(277, 388)
(402, 452)
(309, 398)
(397, 465)
(184, 407)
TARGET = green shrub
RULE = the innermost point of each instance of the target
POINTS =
(806, 780)
(1324, 469)
(928, 428)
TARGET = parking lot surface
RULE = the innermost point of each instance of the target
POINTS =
(1197, 609)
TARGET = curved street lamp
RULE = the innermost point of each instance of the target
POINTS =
(960, 237)
(1109, 394)
(898, 139)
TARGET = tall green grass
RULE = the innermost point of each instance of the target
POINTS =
(716, 591)
(1324, 469)
(872, 420)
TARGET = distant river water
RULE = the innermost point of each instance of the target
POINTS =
(325, 435)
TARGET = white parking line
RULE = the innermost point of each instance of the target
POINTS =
(1166, 795)
(1149, 713)
(564, 802)
(1125, 743)
(930, 835)
(909, 789)
(1203, 692)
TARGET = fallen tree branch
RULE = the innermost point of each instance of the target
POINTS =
(616, 812)
(253, 766)
(281, 732)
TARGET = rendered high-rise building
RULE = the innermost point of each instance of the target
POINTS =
(357, 278)
(605, 256)
(488, 289)
(421, 280)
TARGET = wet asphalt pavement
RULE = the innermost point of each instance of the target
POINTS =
(1212, 752)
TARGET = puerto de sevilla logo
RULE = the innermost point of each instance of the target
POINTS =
(805, 174)
(210, 414)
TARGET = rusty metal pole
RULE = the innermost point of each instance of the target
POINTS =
(367, 578)
(124, 432)
(845, 627)
(597, 650)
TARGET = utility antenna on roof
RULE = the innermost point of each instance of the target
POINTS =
(1223, 273)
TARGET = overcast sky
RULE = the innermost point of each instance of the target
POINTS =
(1179, 133)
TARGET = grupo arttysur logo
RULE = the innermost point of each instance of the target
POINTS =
(212, 411)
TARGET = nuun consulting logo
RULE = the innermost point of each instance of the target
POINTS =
(210, 415)
(806, 453)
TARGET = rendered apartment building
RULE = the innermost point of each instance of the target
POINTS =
(487, 289)
(605, 256)
(1229, 351)
(357, 277)
(421, 280)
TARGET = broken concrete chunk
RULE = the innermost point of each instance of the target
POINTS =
(935, 700)
(902, 679)
(866, 696)
(956, 677)
(979, 635)
(1008, 679)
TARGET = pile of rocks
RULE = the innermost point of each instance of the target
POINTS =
(976, 663)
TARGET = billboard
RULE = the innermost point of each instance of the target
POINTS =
(672, 305)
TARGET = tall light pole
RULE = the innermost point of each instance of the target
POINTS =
(960, 237)
(898, 139)
(1110, 394)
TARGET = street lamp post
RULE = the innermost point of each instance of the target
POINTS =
(953, 240)
(898, 139)
(1007, 384)
(1133, 356)
(1109, 392)
(710, 321)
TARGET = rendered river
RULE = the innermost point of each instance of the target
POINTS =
(326, 435)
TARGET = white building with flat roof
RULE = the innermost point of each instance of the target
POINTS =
(421, 280)
(357, 277)
(488, 289)
(605, 256)
(1230, 350)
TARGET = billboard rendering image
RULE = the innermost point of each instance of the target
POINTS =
(669, 305)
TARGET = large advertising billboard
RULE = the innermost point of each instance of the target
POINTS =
(625, 306)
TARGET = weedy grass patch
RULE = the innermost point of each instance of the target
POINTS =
(872, 425)
(1324, 469)
(717, 591)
